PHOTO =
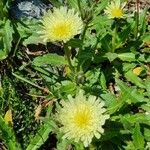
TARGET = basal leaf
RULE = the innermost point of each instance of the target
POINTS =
(147, 84)
(41, 136)
(138, 138)
(49, 59)
(127, 57)
(113, 104)
(130, 94)
(134, 79)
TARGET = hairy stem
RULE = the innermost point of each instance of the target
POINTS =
(68, 56)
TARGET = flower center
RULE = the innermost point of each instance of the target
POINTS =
(82, 118)
(117, 12)
(61, 30)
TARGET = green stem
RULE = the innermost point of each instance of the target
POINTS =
(84, 32)
(114, 37)
(68, 56)
(31, 83)
(80, 9)
(82, 40)
(16, 46)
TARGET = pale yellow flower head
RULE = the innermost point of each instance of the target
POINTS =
(61, 24)
(82, 118)
(115, 9)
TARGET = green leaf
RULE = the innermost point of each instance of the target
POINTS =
(6, 38)
(147, 133)
(8, 136)
(75, 43)
(146, 37)
(101, 6)
(73, 3)
(130, 94)
(137, 118)
(147, 84)
(55, 3)
(3, 55)
(41, 136)
(127, 57)
(131, 57)
(49, 59)
(106, 43)
(134, 79)
(102, 80)
(112, 102)
(125, 34)
(33, 39)
(63, 144)
(142, 21)
(111, 56)
(3, 8)
(138, 138)
(67, 87)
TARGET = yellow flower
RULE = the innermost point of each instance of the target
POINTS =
(115, 9)
(82, 118)
(61, 25)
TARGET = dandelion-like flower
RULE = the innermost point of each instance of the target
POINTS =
(61, 25)
(115, 9)
(82, 118)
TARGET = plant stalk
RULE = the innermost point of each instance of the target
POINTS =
(80, 9)
(31, 83)
(68, 56)
(114, 37)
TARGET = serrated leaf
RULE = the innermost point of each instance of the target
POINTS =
(112, 103)
(33, 39)
(41, 136)
(138, 138)
(111, 56)
(137, 118)
(49, 59)
(134, 79)
(67, 87)
(101, 6)
(130, 94)
(127, 57)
